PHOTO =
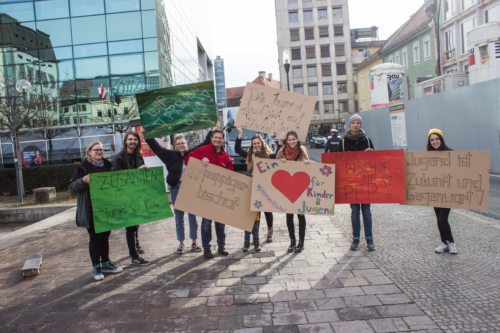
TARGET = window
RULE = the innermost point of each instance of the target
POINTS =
(66, 109)
(311, 71)
(327, 88)
(465, 28)
(427, 48)
(322, 14)
(390, 59)
(492, 14)
(293, 17)
(342, 87)
(291, 2)
(337, 12)
(326, 69)
(343, 106)
(121, 5)
(341, 70)
(328, 106)
(450, 43)
(396, 59)
(323, 32)
(310, 52)
(416, 53)
(294, 35)
(309, 33)
(312, 90)
(99, 113)
(84, 107)
(116, 30)
(308, 15)
(339, 50)
(325, 51)
(296, 54)
(88, 7)
(126, 110)
(338, 30)
(468, 3)
(298, 88)
(404, 58)
(297, 71)
(449, 9)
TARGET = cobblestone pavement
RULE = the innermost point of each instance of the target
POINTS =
(327, 288)
(459, 292)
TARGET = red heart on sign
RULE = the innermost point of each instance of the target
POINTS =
(291, 186)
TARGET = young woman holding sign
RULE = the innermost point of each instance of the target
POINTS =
(435, 142)
(79, 184)
(293, 150)
(355, 139)
(258, 149)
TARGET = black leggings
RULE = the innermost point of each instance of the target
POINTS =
(443, 224)
(291, 227)
(132, 240)
(269, 219)
(98, 246)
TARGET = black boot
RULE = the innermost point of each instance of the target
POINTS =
(300, 246)
(222, 252)
(291, 248)
(246, 245)
(207, 253)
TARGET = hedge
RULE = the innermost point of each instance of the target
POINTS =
(57, 176)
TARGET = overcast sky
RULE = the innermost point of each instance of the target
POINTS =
(243, 32)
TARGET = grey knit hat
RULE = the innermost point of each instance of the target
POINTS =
(355, 117)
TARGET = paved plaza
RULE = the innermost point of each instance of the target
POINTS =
(401, 287)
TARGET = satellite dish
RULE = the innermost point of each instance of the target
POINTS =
(23, 86)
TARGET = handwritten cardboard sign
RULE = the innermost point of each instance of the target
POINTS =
(177, 109)
(293, 187)
(448, 179)
(275, 111)
(217, 194)
(128, 197)
(368, 176)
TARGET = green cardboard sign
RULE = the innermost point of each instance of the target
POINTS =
(177, 109)
(128, 197)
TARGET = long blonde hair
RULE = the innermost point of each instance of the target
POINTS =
(266, 150)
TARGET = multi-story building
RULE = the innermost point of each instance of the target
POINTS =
(220, 83)
(362, 77)
(69, 49)
(457, 18)
(413, 47)
(314, 38)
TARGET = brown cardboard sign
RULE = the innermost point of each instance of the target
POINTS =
(275, 111)
(293, 187)
(217, 194)
(448, 179)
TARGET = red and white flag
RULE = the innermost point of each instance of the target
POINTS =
(102, 91)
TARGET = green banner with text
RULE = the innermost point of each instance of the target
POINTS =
(128, 197)
(177, 109)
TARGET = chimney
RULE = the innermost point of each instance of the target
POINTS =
(262, 75)
(270, 76)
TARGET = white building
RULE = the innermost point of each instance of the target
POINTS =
(314, 37)
(458, 18)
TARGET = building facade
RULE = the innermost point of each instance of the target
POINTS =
(90, 58)
(457, 18)
(220, 83)
(362, 77)
(314, 38)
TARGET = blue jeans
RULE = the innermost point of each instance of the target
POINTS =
(179, 218)
(206, 233)
(255, 232)
(356, 223)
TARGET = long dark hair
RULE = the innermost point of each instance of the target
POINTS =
(299, 145)
(443, 145)
(137, 148)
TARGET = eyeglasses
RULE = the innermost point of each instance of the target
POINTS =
(98, 150)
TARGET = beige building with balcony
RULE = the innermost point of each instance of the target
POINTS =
(314, 38)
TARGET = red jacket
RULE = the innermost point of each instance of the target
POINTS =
(221, 159)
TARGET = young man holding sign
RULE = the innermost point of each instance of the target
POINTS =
(213, 153)
(130, 157)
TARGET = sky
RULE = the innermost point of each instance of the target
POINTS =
(243, 32)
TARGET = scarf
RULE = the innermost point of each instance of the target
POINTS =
(291, 154)
(355, 137)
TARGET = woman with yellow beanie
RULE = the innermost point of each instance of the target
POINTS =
(435, 142)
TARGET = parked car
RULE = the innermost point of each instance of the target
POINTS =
(317, 142)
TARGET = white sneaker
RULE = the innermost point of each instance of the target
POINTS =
(441, 248)
(453, 248)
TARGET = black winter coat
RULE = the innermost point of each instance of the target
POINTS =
(357, 145)
(122, 161)
(84, 215)
(333, 145)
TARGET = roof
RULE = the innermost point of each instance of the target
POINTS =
(266, 82)
(235, 92)
(411, 28)
(368, 61)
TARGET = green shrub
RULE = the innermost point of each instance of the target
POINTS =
(57, 176)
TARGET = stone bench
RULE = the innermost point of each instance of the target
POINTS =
(44, 194)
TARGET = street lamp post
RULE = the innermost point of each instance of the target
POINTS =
(286, 64)
(22, 87)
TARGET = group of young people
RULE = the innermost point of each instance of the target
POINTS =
(212, 151)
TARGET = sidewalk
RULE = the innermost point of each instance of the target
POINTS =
(401, 287)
